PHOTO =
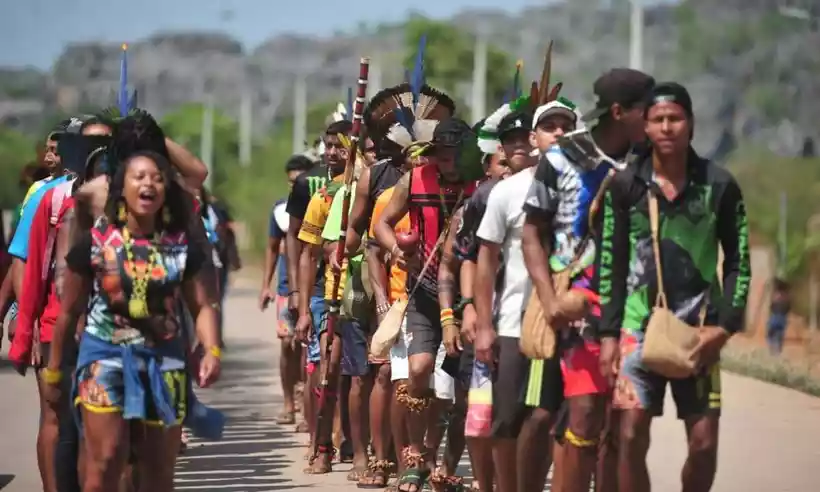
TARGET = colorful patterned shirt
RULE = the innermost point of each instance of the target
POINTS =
(116, 264)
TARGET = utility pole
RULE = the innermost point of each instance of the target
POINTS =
(206, 142)
(636, 25)
(782, 232)
(479, 96)
(245, 128)
(299, 113)
(374, 84)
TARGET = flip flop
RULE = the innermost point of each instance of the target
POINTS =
(286, 418)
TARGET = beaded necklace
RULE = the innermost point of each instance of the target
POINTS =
(138, 304)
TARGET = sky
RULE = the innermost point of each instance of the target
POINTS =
(34, 32)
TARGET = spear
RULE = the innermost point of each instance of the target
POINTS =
(333, 313)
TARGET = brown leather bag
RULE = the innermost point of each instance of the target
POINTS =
(669, 342)
(537, 337)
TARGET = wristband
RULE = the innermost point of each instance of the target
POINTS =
(393, 249)
(215, 351)
(291, 292)
(382, 309)
(51, 376)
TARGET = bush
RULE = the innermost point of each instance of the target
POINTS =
(759, 364)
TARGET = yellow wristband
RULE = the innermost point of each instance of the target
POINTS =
(215, 351)
(51, 376)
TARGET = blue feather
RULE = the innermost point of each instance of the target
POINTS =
(132, 103)
(417, 78)
(350, 103)
(122, 96)
(404, 121)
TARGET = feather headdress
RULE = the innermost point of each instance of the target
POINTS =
(343, 111)
(540, 94)
(126, 104)
(408, 113)
(515, 90)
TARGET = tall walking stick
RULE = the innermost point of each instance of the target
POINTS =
(333, 313)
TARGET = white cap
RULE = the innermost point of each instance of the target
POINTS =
(552, 108)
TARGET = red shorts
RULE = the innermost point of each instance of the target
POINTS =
(582, 375)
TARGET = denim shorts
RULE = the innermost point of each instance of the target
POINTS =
(317, 310)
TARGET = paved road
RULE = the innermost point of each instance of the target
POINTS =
(770, 439)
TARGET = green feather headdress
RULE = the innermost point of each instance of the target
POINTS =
(540, 94)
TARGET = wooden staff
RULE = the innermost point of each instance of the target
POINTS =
(333, 313)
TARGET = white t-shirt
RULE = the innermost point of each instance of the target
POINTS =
(503, 224)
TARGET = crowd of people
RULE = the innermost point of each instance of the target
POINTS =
(462, 243)
(501, 284)
(117, 269)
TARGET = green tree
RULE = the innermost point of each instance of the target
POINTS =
(184, 126)
(16, 150)
(800, 179)
(449, 57)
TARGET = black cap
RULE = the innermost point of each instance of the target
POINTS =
(671, 92)
(58, 130)
(450, 133)
(515, 121)
(624, 86)
(73, 125)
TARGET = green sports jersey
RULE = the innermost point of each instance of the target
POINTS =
(709, 214)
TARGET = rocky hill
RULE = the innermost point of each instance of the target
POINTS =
(749, 68)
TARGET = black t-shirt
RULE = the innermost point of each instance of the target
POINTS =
(465, 246)
(383, 176)
(305, 186)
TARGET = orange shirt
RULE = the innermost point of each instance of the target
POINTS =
(398, 276)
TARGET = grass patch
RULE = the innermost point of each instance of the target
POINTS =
(758, 363)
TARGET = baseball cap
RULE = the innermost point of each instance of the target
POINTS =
(73, 126)
(58, 130)
(553, 108)
(624, 86)
(450, 133)
(671, 92)
(515, 121)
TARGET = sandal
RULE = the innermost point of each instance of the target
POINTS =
(302, 427)
(416, 472)
(415, 478)
(286, 418)
(445, 483)
(345, 452)
(326, 468)
(356, 474)
(376, 475)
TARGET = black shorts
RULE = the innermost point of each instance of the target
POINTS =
(354, 348)
(423, 324)
(511, 382)
(354, 337)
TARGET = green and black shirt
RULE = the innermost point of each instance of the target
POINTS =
(707, 215)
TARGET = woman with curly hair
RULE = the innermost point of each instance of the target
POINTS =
(129, 272)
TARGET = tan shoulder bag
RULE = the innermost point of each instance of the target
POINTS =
(537, 337)
(669, 342)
